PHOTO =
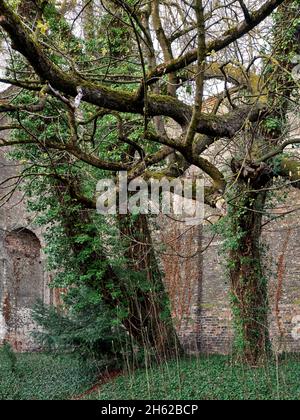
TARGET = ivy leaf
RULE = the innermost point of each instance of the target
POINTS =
(43, 27)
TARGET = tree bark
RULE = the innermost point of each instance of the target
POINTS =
(150, 321)
(249, 286)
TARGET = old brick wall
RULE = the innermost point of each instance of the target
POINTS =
(182, 265)
(23, 278)
(201, 283)
(283, 239)
(216, 332)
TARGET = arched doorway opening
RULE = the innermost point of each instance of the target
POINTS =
(24, 285)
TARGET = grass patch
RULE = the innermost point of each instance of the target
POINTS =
(213, 378)
(43, 377)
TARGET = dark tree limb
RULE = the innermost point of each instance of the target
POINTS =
(104, 97)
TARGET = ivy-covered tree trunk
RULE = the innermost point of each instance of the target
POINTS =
(137, 293)
(149, 320)
(249, 286)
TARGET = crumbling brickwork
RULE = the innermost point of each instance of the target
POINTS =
(23, 278)
(208, 326)
(22, 266)
(182, 265)
(283, 239)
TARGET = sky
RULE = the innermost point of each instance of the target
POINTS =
(2, 70)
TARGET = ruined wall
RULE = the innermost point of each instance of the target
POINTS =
(215, 319)
(182, 265)
(201, 283)
(23, 278)
(283, 239)
(197, 286)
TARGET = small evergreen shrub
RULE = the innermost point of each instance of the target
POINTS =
(84, 326)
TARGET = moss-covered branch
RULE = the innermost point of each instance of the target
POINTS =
(101, 96)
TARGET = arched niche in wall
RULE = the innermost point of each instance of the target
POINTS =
(24, 283)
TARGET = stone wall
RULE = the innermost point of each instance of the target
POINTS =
(283, 239)
(199, 288)
(214, 315)
(182, 265)
(23, 278)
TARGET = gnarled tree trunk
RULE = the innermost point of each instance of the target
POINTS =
(150, 321)
(249, 286)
